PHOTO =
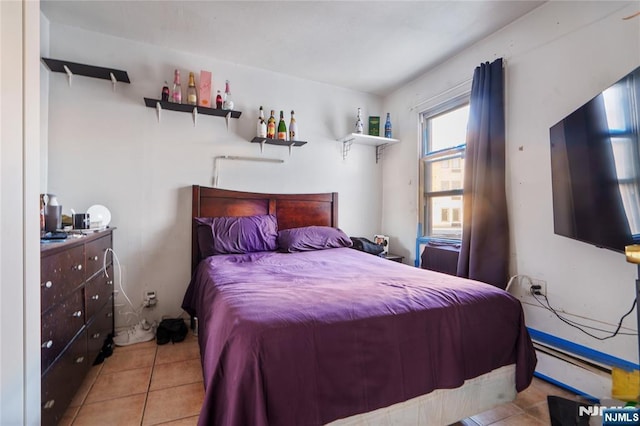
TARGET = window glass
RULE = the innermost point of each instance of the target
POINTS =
(442, 164)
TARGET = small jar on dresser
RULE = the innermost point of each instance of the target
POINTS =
(76, 307)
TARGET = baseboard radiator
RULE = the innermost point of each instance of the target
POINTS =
(440, 257)
(580, 369)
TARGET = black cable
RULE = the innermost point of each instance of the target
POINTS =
(549, 308)
(579, 326)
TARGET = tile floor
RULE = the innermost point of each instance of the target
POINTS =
(146, 384)
(142, 384)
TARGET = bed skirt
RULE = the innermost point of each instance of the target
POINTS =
(444, 406)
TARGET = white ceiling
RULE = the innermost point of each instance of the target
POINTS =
(369, 46)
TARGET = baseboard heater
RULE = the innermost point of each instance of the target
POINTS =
(576, 368)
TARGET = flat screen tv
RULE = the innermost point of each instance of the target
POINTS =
(595, 168)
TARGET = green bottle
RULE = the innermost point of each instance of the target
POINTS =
(282, 128)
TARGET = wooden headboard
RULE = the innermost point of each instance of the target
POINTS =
(291, 210)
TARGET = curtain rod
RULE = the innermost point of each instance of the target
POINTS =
(457, 86)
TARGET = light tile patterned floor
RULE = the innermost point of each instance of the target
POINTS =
(146, 384)
(142, 384)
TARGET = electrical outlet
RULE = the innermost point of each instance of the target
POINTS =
(542, 284)
(150, 299)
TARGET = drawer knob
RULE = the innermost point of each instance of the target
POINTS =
(95, 335)
(77, 314)
(109, 314)
(47, 344)
(77, 267)
(49, 404)
(48, 284)
(110, 282)
(94, 258)
(79, 360)
(95, 297)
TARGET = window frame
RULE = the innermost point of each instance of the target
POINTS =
(425, 233)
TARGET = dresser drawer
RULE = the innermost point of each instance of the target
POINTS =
(94, 252)
(97, 292)
(60, 324)
(99, 329)
(60, 273)
(61, 382)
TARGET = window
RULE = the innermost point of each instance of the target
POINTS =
(444, 131)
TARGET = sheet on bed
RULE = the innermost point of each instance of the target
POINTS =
(307, 338)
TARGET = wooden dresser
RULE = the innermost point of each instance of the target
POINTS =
(76, 306)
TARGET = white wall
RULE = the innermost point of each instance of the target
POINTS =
(19, 205)
(107, 148)
(557, 57)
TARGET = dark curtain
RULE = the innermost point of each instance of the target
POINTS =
(484, 253)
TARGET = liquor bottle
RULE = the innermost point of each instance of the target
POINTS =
(192, 96)
(176, 93)
(227, 101)
(387, 127)
(261, 131)
(293, 129)
(271, 126)
(219, 100)
(165, 92)
(282, 128)
(359, 124)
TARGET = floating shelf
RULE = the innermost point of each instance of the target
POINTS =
(279, 142)
(73, 68)
(193, 109)
(361, 139)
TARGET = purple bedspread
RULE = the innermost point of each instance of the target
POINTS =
(307, 338)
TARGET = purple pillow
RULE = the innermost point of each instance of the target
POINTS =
(312, 238)
(236, 235)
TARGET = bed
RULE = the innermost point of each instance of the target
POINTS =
(337, 336)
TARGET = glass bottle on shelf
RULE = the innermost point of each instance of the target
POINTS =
(293, 128)
(192, 96)
(176, 93)
(227, 102)
(359, 125)
(271, 126)
(219, 100)
(282, 128)
(387, 127)
(165, 92)
(261, 131)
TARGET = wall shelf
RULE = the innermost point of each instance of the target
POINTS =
(193, 109)
(361, 139)
(279, 142)
(73, 68)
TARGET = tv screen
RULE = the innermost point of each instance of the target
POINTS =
(595, 168)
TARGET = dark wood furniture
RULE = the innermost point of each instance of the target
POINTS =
(393, 257)
(76, 305)
(291, 210)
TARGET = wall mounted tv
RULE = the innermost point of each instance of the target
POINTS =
(595, 168)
